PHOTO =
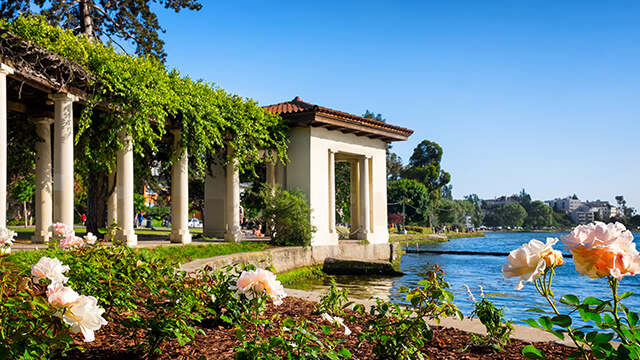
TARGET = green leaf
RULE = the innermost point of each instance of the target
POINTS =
(561, 320)
(344, 353)
(570, 300)
(532, 323)
(545, 322)
(633, 319)
(589, 316)
(530, 352)
(626, 295)
(592, 301)
(536, 310)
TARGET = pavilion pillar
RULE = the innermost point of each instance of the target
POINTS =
(43, 191)
(112, 202)
(4, 71)
(63, 179)
(180, 193)
(124, 188)
(355, 196)
(233, 233)
(332, 191)
(271, 172)
(215, 195)
(364, 197)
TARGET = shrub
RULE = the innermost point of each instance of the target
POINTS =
(287, 215)
(419, 229)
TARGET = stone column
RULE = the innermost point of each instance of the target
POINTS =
(44, 192)
(124, 189)
(233, 233)
(271, 172)
(112, 202)
(355, 195)
(215, 194)
(332, 191)
(63, 179)
(364, 197)
(4, 71)
(180, 194)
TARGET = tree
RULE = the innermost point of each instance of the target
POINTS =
(343, 190)
(523, 199)
(539, 215)
(471, 207)
(512, 215)
(447, 212)
(370, 115)
(447, 192)
(415, 196)
(394, 165)
(130, 20)
(424, 166)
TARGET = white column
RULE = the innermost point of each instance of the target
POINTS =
(271, 172)
(43, 193)
(124, 187)
(112, 202)
(63, 179)
(4, 71)
(180, 194)
(364, 197)
(332, 191)
(233, 233)
(355, 198)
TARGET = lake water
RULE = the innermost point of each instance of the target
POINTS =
(483, 270)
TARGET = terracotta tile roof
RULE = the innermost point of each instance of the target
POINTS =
(348, 121)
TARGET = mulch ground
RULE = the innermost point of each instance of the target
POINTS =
(218, 342)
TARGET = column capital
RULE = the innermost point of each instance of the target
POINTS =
(333, 151)
(5, 69)
(42, 121)
(63, 97)
(176, 131)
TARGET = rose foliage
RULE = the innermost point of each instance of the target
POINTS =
(600, 251)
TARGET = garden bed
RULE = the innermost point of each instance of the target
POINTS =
(218, 341)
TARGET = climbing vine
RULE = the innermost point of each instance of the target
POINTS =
(142, 96)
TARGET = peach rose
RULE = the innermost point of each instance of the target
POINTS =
(528, 261)
(602, 261)
(255, 283)
(597, 234)
(553, 258)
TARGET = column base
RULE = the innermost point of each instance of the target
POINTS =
(334, 238)
(40, 237)
(364, 235)
(128, 237)
(180, 236)
(213, 233)
(233, 236)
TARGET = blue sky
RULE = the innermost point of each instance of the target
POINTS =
(540, 95)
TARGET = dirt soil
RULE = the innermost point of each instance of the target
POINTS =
(218, 342)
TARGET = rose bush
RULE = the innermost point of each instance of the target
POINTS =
(599, 250)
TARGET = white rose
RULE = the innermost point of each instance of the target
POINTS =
(255, 283)
(60, 295)
(336, 320)
(528, 261)
(84, 316)
(49, 268)
(90, 238)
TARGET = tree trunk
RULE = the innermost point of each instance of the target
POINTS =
(26, 217)
(86, 20)
(97, 196)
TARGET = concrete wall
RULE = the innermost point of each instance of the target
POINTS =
(288, 258)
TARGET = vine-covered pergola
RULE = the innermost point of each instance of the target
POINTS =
(102, 107)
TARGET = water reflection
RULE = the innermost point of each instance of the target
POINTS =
(360, 287)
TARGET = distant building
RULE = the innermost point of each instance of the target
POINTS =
(583, 214)
(606, 210)
(568, 204)
(502, 200)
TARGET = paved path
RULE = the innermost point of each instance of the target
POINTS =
(524, 333)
